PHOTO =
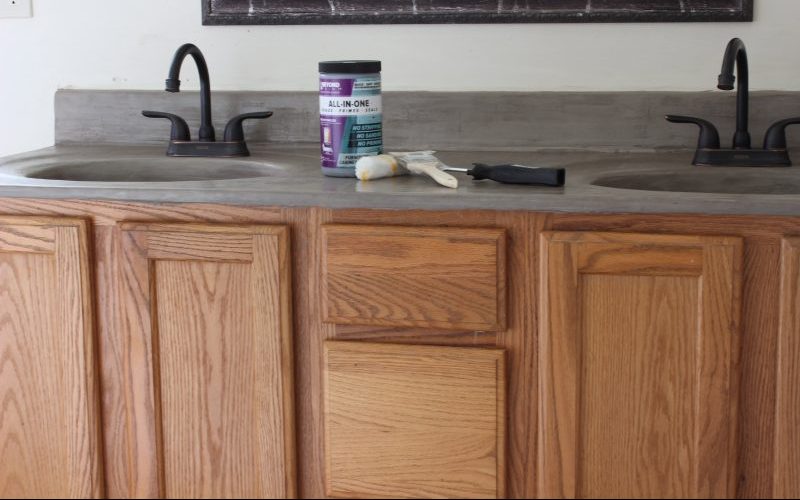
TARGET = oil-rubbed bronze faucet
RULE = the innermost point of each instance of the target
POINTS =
(180, 143)
(741, 154)
(736, 55)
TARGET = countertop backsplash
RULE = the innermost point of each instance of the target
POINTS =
(491, 121)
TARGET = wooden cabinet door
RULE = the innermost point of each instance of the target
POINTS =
(787, 429)
(49, 406)
(406, 421)
(208, 321)
(638, 360)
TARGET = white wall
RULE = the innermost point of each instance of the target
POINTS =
(128, 44)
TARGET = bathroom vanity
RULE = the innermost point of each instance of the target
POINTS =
(258, 330)
(224, 348)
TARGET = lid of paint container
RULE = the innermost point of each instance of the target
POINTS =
(350, 67)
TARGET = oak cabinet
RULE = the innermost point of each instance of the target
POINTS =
(414, 421)
(49, 399)
(423, 354)
(208, 315)
(638, 365)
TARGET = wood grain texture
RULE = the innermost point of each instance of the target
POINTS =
(787, 425)
(521, 343)
(200, 247)
(110, 213)
(639, 369)
(211, 410)
(117, 466)
(757, 230)
(450, 278)
(518, 339)
(760, 229)
(202, 242)
(414, 421)
(760, 319)
(636, 405)
(26, 239)
(419, 336)
(50, 444)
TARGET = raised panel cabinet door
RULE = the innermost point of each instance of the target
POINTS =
(638, 351)
(49, 400)
(207, 315)
(787, 428)
(406, 421)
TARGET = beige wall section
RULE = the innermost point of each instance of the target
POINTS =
(101, 44)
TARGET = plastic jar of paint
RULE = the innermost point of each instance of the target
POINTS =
(350, 113)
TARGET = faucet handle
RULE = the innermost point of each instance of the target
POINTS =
(180, 129)
(234, 131)
(776, 135)
(709, 137)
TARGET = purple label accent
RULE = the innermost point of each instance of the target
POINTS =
(336, 87)
(335, 126)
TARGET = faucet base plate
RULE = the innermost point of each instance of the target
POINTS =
(742, 158)
(199, 149)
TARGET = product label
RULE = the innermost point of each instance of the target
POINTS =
(351, 106)
(350, 120)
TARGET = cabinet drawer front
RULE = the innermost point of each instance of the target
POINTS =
(449, 278)
(49, 394)
(638, 365)
(207, 318)
(414, 421)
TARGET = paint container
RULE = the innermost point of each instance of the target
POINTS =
(350, 113)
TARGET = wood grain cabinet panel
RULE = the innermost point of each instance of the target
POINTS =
(414, 421)
(208, 317)
(449, 278)
(787, 425)
(638, 365)
(49, 400)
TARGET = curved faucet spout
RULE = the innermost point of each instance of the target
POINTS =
(207, 133)
(736, 55)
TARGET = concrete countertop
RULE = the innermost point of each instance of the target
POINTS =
(296, 180)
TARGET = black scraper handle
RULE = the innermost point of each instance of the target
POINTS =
(518, 174)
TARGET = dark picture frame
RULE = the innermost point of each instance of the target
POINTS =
(253, 12)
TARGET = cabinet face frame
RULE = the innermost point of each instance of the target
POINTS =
(264, 249)
(66, 242)
(716, 263)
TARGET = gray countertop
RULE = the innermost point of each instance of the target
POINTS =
(295, 180)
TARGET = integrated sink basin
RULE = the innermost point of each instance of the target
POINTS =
(712, 181)
(153, 170)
